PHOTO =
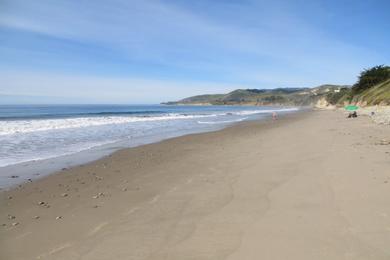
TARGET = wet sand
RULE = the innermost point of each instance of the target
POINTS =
(309, 186)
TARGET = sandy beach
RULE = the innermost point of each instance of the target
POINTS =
(312, 185)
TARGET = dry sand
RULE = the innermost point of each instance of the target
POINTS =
(310, 186)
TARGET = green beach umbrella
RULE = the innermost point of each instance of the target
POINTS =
(351, 108)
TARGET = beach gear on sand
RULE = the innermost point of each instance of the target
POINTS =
(352, 114)
(351, 108)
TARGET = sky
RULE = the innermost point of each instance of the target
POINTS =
(150, 51)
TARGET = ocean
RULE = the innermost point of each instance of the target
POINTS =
(37, 139)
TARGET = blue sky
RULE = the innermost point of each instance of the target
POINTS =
(148, 51)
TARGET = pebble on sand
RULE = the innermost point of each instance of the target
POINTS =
(59, 217)
(383, 142)
(100, 194)
(44, 204)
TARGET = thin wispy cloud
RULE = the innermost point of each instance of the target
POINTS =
(248, 43)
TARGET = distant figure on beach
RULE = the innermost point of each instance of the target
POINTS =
(352, 115)
(274, 116)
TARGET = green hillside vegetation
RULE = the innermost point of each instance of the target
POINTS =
(376, 95)
(279, 96)
(369, 78)
(201, 98)
(335, 98)
(372, 88)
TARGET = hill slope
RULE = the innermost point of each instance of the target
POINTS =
(279, 96)
(376, 95)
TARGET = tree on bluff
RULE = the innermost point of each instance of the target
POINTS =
(371, 77)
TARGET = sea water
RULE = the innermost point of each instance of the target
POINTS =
(37, 139)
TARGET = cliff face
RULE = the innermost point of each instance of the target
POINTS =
(262, 97)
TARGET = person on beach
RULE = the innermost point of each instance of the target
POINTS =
(274, 116)
(352, 114)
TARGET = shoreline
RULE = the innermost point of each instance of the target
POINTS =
(41, 168)
(312, 182)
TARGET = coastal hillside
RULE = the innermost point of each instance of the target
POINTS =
(371, 88)
(278, 96)
(377, 95)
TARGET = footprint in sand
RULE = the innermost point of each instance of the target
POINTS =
(155, 199)
(131, 211)
(54, 250)
(173, 189)
(97, 228)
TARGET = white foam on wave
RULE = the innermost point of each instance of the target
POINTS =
(252, 112)
(9, 127)
(31, 157)
(222, 122)
(28, 126)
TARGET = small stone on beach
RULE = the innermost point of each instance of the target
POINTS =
(11, 217)
(59, 217)
(36, 217)
(384, 142)
(15, 223)
(100, 194)
(42, 203)
(64, 194)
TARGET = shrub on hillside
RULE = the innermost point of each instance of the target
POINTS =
(336, 97)
(371, 77)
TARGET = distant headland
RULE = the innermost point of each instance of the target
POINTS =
(372, 88)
